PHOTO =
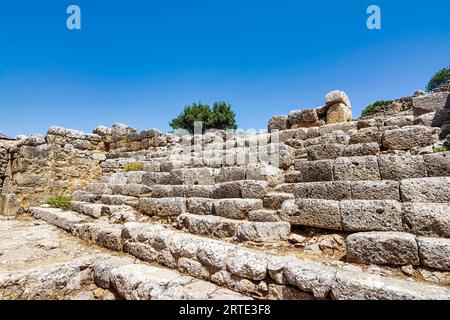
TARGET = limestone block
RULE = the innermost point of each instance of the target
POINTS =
(312, 213)
(337, 96)
(236, 208)
(371, 215)
(325, 151)
(391, 248)
(320, 170)
(338, 113)
(437, 164)
(435, 253)
(278, 123)
(401, 167)
(426, 189)
(427, 219)
(408, 137)
(430, 102)
(356, 168)
(373, 190)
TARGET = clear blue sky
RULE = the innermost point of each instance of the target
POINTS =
(140, 61)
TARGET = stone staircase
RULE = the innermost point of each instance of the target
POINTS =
(238, 223)
(350, 210)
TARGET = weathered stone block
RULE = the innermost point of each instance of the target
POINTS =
(278, 123)
(162, 206)
(371, 215)
(274, 200)
(337, 96)
(329, 190)
(366, 135)
(401, 167)
(361, 149)
(430, 102)
(353, 285)
(338, 112)
(391, 248)
(247, 264)
(356, 168)
(228, 174)
(236, 208)
(312, 213)
(437, 164)
(263, 231)
(409, 137)
(374, 190)
(325, 151)
(427, 219)
(426, 189)
(320, 170)
(201, 206)
(310, 276)
(435, 253)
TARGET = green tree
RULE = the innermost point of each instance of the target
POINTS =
(195, 112)
(440, 78)
(221, 117)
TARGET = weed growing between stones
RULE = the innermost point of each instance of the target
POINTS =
(58, 201)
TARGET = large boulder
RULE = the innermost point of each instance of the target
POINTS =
(337, 96)
(339, 112)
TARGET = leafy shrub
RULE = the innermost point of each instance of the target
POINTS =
(374, 107)
(440, 78)
(134, 166)
(440, 149)
(220, 117)
(58, 201)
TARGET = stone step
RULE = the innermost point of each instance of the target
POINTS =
(233, 189)
(115, 213)
(255, 189)
(435, 189)
(263, 215)
(108, 199)
(229, 265)
(148, 282)
(343, 190)
(336, 150)
(398, 248)
(429, 189)
(174, 206)
(57, 217)
(274, 200)
(384, 167)
(347, 215)
(423, 219)
(250, 272)
(219, 227)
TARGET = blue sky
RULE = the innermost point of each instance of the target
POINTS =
(139, 62)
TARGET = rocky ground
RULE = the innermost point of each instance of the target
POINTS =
(38, 261)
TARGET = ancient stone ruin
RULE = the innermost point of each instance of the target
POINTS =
(319, 207)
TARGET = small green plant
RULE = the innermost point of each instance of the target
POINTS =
(374, 107)
(440, 78)
(58, 201)
(440, 149)
(134, 166)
